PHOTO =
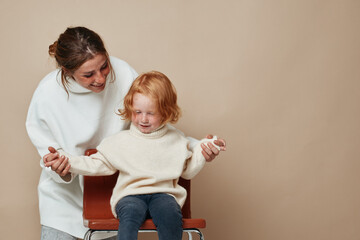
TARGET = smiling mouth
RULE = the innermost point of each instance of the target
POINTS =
(97, 86)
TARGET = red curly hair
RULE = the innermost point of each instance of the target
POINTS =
(157, 86)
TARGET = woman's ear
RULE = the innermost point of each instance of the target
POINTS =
(66, 72)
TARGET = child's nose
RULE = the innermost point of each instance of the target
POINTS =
(144, 118)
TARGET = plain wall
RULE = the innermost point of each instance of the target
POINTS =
(279, 80)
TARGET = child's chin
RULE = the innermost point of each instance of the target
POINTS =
(145, 130)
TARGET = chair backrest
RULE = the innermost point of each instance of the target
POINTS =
(98, 190)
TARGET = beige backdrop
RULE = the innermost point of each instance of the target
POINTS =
(279, 80)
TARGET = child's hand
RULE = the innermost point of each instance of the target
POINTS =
(209, 151)
(59, 164)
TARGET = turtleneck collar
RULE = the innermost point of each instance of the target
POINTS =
(158, 133)
(74, 87)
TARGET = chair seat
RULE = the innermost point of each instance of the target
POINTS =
(113, 224)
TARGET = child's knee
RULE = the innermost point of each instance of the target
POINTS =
(131, 208)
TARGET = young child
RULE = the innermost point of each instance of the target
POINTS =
(151, 157)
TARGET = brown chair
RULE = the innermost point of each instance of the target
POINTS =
(97, 213)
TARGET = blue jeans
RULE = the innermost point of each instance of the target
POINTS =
(162, 208)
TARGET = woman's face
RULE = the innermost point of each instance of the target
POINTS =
(92, 74)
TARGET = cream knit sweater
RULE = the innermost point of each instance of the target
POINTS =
(147, 163)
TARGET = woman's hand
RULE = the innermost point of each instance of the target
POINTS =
(209, 151)
(59, 164)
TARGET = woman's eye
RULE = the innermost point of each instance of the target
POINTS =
(104, 66)
(88, 76)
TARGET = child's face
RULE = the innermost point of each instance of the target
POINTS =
(145, 116)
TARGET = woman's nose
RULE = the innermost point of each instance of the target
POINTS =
(100, 78)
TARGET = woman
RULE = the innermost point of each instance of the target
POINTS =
(73, 109)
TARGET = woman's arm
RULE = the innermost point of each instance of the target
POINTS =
(41, 136)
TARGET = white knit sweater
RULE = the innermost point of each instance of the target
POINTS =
(73, 123)
(147, 163)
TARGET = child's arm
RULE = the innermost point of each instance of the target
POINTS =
(58, 164)
(197, 160)
(210, 150)
(94, 165)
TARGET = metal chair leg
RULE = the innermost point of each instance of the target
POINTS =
(194, 230)
(88, 234)
(189, 235)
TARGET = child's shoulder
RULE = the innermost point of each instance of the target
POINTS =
(176, 132)
(116, 137)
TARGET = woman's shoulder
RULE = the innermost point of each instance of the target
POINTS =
(118, 63)
(116, 60)
(49, 79)
(49, 87)
(122, 67)
(124, 75)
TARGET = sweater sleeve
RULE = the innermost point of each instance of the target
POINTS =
(94, 165)
(192, 141)
(41, 136)
(197, 161)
